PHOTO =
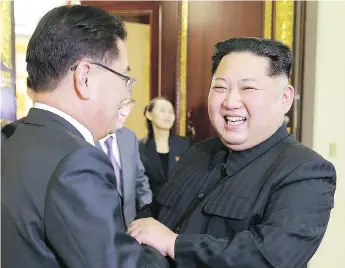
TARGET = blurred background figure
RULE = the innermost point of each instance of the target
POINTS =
(122, 149)
(8, 130)
(161, 149)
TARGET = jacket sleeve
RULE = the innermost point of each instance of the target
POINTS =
(293, 225)
(83, 217)
(142, 185)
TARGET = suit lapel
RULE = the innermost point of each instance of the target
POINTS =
(153, 157)
(98, 145)
(173, 155)
(125, 162)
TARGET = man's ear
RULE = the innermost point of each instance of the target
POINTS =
(81, 80)
(288, 98)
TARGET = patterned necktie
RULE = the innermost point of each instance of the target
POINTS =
(118, 172)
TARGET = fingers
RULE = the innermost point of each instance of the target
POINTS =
(140, 237)
(135, 232)
(134, 225)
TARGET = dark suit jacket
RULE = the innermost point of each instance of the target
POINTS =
(152, 163)
(8, 130)
(271, 208)
(59, 203)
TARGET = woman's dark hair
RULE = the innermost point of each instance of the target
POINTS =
(149, 108)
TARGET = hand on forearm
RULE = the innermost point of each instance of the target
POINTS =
(151, 232)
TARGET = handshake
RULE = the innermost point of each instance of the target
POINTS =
(151, 232)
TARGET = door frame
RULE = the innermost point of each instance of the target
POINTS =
(152, 8)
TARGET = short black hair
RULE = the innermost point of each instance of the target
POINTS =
(279, 54)
(67, 34)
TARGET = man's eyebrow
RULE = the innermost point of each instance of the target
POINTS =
(221, 78)
(249, 79)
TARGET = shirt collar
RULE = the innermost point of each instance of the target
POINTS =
(238, 159)
(81, 128)
(102, 141)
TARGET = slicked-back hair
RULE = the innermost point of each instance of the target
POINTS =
(279, 55)
(67, 34)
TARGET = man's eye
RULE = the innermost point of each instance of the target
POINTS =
(220, 88)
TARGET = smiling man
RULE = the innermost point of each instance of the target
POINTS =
(253, 197)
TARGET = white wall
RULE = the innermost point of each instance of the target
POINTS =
(28, 13)
(324, 112)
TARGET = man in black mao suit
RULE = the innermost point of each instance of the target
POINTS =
(253, 197)
(59, 203)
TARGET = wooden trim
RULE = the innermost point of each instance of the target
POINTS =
(274, 23)
(298, 67)
(178, 77)
(309, 73)
(160, 21)
(181, 73)
(284, 20)
(268, 19)
(284, 32)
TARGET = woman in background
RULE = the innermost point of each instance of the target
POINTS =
(161, 149)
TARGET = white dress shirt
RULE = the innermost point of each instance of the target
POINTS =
(116, 151)
(81, 128)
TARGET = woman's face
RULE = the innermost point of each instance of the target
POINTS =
(162, 115)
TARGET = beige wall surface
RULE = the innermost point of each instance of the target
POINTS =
(324, 113)
(138, 47)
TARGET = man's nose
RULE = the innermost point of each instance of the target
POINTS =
(233, 99)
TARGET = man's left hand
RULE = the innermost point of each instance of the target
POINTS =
(151, 232)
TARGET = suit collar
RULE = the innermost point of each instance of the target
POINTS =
(81, 128)
(45, 118)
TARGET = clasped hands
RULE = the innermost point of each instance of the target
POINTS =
(151, 232)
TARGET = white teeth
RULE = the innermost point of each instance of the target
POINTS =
(234, 120)
(234, 123)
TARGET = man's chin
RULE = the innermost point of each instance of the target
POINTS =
(234, 141)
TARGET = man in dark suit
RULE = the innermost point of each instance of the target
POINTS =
(122, 149)
(59, 202)
(253, 197)
(8, 130)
